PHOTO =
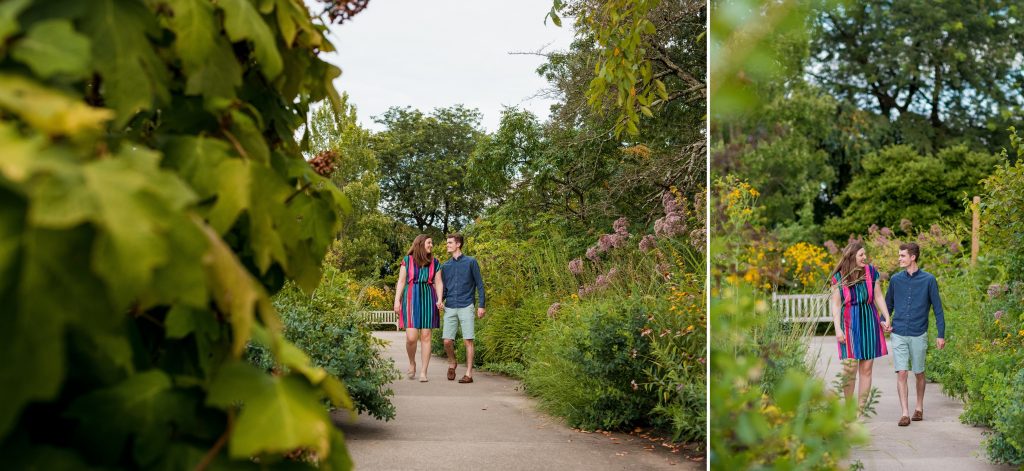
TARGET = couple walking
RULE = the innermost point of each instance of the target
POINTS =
(426, 287)
(856, 300)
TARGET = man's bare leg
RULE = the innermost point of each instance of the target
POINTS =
(449, 350)
(920, 391)
(901, 391)
(469, 357)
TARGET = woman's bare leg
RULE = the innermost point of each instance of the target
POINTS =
(850, 375)
(864, 390)
(425, 351)
(411, 336)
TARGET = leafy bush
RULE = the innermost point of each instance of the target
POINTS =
(588, 364)
(787, 421)
(677, 374)
(324, 327)
(983, 362)
(1000, 207)
(152, 196)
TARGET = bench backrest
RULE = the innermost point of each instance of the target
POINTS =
(802, 307)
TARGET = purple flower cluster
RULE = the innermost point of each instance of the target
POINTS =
(996, 290)
(999, 314)
(831, 246)
(648, 243)
(576, 266)
(674, 222)
(553, 310)
(621, 226)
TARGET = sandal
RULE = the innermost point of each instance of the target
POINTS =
(904, 421)
(918, 416)
(423, 379)
(466, 379)
(451, 373)
(411, 373)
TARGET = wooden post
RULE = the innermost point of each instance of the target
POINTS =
(975, 229)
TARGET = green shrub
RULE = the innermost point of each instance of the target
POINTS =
(324, 328)
(600, 346)
(791, 422)
(982, 362)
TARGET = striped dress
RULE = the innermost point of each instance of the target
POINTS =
(864, 336)
(419, 302)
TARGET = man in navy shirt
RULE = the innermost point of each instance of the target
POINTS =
(461, 275)
(911, 294)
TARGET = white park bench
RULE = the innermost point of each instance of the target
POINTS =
(802, 307)
(380, 317)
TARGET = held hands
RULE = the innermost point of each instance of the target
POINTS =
(886, 326)
(480, 313)
(440, 305)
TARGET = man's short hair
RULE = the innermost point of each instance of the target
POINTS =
(458, 238)
(912, 249)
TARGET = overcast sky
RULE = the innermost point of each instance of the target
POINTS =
(432, 54)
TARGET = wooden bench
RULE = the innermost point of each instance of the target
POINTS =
(802, 307)
(380, 317)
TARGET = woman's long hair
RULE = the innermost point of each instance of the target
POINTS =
(419, 252)
(849, 272)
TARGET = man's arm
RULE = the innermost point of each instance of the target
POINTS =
(940, 318)
(479, 282)
(890, 298)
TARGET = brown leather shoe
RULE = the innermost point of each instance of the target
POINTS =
(466, 379)
(451, 373)
(918, 416)
(904, 421)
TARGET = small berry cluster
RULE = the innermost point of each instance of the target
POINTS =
(323, 163)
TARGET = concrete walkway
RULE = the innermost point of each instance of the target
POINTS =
(940, 441)
(489, 424)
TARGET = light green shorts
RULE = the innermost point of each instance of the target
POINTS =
(454, 316)
(909, 352)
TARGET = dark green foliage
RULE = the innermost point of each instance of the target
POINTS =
(966, 77)
(899, 183)
(424, 162)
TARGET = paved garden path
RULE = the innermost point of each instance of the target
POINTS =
(489, 424)
(938, 442)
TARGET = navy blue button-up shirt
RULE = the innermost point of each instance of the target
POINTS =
(462, 278)
(909, 297)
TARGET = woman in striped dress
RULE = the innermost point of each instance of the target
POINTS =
(418, 300)
(856, 300)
